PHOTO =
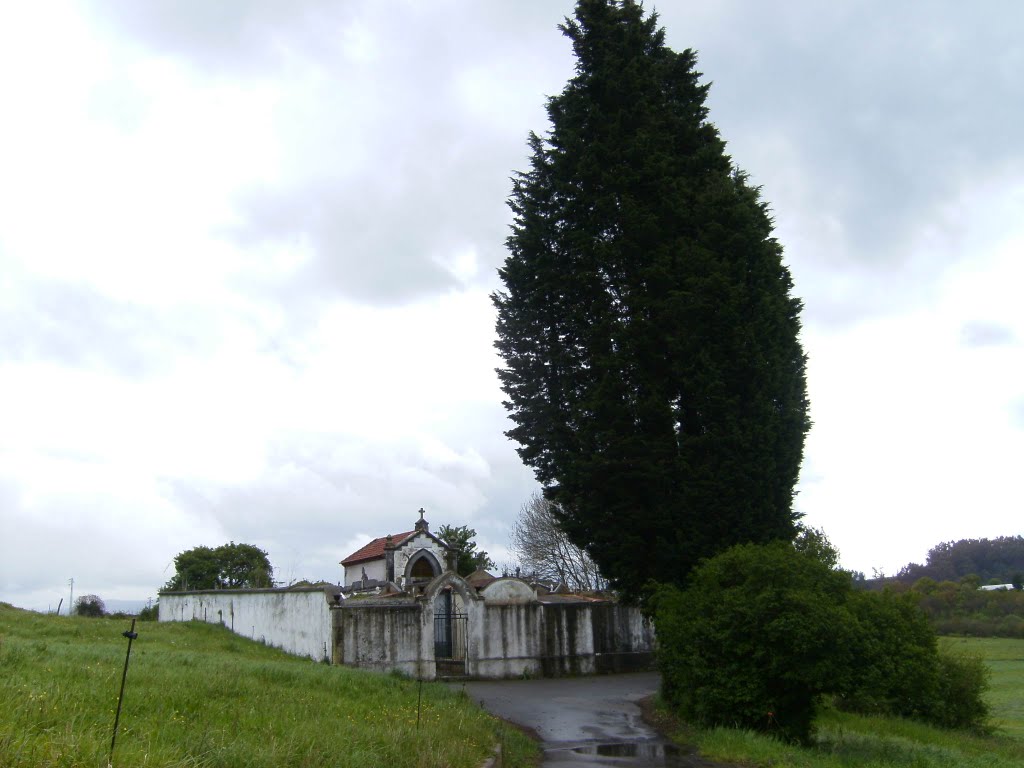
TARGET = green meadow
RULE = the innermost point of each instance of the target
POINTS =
(1005, 657)
(199, 696)
(846, 740)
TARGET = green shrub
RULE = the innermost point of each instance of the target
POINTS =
(757, 636)
(895, 656)
(959, 699)
(899, 670)
(761, 633)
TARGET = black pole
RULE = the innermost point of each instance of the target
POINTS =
(131, 635)
(419, 704)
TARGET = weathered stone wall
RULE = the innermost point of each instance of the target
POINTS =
(550, 640)
(296, 620)
(507, 637)
(510, 643)
(382, 637)
(568, 640)
(623, 638)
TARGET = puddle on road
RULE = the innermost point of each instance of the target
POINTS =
(640, 754)
(668, 752)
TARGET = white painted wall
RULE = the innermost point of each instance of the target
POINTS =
(509, 633)
(295, 620)
(375, 569)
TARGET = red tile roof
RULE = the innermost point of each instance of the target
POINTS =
(375, 549)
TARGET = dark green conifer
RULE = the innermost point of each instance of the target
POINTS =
(653, 369)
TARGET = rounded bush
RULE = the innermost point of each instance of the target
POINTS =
(959, 700)
(895, 649)
(759, 633)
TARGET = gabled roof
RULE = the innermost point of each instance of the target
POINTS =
(375, 549)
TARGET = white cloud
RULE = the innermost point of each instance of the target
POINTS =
(915, 441)
(246, 251)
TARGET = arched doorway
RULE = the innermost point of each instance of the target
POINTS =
(422, 567)
(451, 611)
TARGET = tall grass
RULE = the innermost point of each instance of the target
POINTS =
(844, 740)
(200, 696)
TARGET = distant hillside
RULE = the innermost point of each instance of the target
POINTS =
(124, 606)
(991, 560)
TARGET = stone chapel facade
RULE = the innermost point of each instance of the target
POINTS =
(401, 559)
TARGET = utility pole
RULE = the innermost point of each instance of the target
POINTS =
(71, 600)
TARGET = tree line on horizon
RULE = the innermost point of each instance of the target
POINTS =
(989, 561)
(947, 588)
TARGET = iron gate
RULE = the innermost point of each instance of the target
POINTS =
(450, 636)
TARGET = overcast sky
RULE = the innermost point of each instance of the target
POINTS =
(246, 250)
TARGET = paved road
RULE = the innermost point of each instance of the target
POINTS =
(584, 721)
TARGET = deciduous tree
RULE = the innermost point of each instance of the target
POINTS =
(90, 605)
(544, 549)
(224, 567)
(653, 370)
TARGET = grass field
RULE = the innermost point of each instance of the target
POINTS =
(201, 697)
(845, 740)
(1005, 657)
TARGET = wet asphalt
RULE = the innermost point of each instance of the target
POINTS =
(584, 721)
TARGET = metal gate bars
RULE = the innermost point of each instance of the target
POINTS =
(450, 636)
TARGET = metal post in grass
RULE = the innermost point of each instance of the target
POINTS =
(419, 704)
(131, 635)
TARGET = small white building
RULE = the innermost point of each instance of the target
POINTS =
(403, 559)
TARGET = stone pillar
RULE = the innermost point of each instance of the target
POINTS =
(389, 559)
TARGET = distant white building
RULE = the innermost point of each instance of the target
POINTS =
(995, 587)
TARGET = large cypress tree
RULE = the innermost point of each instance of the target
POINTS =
(653, 368)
